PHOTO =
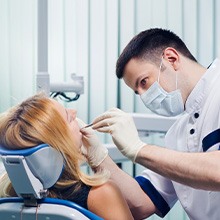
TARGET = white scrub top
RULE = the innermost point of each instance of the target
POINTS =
(198, 130)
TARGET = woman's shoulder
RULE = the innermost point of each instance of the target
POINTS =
(108, 202)
(107, 190)
(103, 195)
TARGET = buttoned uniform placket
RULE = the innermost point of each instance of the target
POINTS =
(192, 132)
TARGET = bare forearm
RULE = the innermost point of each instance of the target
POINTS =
(198, 170)
(140, 204)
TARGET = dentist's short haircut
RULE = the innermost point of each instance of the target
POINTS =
(149, 45)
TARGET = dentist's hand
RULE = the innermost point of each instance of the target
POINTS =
(92, 148)
(122, 128)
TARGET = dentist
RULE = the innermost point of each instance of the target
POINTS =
(157, 65)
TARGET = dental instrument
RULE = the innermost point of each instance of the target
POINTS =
(87, 126)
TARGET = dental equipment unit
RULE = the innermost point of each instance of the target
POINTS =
(55, 89)
(43, 82)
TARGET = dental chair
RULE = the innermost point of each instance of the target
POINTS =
(32, 172)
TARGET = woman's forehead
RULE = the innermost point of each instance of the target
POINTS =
(60, 108)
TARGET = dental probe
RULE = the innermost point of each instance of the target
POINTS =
(89, 125)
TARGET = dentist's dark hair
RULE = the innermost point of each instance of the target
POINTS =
(149, 45)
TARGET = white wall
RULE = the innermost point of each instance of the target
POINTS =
(87, 36)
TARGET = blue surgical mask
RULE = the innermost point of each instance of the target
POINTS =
(161, 102)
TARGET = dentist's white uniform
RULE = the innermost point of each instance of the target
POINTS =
(196, 131)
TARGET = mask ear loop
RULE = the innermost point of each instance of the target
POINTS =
(158, 78)
(176, 81)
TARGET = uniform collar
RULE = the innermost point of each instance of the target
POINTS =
(202, 88)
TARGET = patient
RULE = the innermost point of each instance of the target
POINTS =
(40, 120)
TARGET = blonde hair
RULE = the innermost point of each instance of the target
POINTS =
(36, 121)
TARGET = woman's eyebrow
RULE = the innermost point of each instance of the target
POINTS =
(67, 115)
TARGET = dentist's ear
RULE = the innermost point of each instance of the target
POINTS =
(172, 56)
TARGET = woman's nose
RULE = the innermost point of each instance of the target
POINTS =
(73, 113)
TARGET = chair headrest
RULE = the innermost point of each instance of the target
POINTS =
(32, 170)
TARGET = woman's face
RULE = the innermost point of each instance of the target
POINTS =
(69, 116)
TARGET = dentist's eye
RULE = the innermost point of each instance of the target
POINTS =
(143, 82)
